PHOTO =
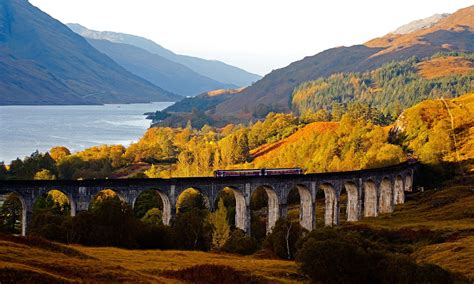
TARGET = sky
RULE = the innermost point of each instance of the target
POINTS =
(256, 35)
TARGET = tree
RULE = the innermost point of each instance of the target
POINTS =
(59, 152)
(192, 231)
(54, 202)
(282, 240)
(337, 111)
(153, 172)
(153, 217)
(190, 199)
(336, 262)
(10, 214)
(240, 243)
(3, 171)
(221, 228)
(109, 223)
(146, 201)
(44, 174)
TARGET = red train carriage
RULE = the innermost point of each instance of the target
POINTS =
(258, 172)
(287, 171)
(238, 173)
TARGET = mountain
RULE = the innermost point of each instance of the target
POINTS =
(43, 62)
(160, 71)
(274, 91)
(420, 24)
(213, 69)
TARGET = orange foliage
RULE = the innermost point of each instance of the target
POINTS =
(270, 149)
(444, 66)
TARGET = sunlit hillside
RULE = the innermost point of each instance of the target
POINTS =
(441, 130)
(263, 152)
(444, 66)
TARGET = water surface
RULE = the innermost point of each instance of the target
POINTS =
(25, 129)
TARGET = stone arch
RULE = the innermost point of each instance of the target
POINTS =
(331, 206)
(398, 192)
(370, 199)
(273, 207)
(206, 200)
(69, 197)
(166, 210)
(352, 202)
(24, 210)
(385, 197)
(106, 191)
(241, 215)
(306, 212)
(409, 182)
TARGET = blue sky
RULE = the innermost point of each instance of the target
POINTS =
(257, 35)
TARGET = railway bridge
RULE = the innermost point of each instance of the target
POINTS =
(369, 193)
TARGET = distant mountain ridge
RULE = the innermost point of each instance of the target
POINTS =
(160, 71)
(452, 33)
(213, 69)
(44, 62)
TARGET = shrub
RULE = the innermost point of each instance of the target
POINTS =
(48, 225)
(192, 231)
(282, 240)
(110, 223)
(333, 261)
(210, 274)
(348, 256)
(154, 237)
(240, 243)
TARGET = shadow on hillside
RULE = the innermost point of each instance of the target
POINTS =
(430, 175)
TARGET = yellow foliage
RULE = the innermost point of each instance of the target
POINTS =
(432, 135)
(58, 197)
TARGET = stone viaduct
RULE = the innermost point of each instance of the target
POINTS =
(369, 193)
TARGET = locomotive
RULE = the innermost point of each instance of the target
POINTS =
(258, 172)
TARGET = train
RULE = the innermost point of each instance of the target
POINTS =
(258, 172)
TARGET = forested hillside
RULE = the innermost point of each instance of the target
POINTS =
(391, 88)
(320, 142)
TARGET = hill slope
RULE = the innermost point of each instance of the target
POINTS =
(44, 62)
(391, 88)
(160, 71)
(453, 33)
(37, 260)
(213, 69)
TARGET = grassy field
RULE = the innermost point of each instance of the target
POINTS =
(451, 213)
(31, 260)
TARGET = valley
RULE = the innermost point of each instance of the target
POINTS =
(124, 161)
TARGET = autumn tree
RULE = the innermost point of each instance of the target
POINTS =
(153, 217)
(59, 152)
(220, 224)
(44, 174)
